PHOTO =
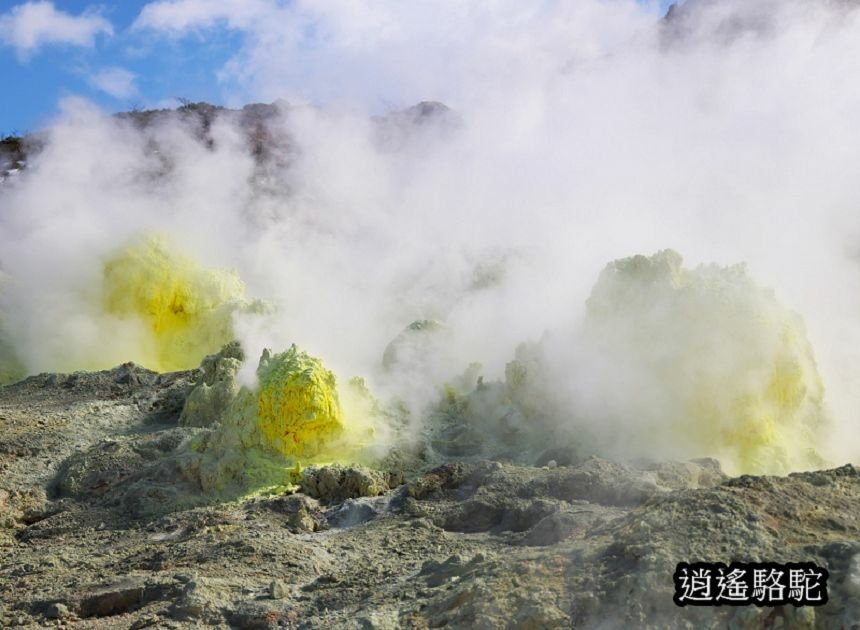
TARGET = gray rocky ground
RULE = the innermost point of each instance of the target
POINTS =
(94, 533)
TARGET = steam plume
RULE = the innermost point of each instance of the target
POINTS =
(580, 133)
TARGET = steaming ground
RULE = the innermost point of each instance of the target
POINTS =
(271, 252)
(577, 136)
(493, 277)
(101, 529)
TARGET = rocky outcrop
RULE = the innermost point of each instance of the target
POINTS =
(573, 541)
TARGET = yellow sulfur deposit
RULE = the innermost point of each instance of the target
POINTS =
(298, 409)
(184, 311)
(705, 362)
(263, 436)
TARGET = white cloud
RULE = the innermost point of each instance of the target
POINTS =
(394, 52)
(177, 16)
(116, 82)
(27, 27)
(591, 132)
(587, 134)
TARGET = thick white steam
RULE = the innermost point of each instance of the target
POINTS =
(583, 132)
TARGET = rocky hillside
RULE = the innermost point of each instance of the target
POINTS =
(261, 125)
(726, 21)
(94, 536)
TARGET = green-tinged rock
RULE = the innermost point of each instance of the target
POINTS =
(707, 361)
(262, 437)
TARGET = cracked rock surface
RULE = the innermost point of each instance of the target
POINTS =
(94, 533)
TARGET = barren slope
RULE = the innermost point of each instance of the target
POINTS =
(467, 544)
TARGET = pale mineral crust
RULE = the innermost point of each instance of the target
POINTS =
(94, 531)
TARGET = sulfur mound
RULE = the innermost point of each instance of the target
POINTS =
(262, 437)
(414, 343)
(215, 389)
(182, 310)
(298, 409)
(704, 360)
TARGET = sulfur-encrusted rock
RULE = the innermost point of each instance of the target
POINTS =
(216, 388)
(701, 362)
(335, 483)
(262, 436)
(180, 310)
(418, 340)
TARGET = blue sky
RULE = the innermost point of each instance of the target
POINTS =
(91, 50)
(163, 69)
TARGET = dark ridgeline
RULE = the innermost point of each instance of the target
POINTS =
(724, 21)
(262, 125)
